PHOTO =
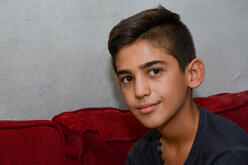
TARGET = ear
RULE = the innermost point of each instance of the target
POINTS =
(195, 71)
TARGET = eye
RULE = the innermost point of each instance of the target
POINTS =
(126, 79)
(154, 71)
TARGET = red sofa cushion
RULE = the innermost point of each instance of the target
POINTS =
(99, 135)
(105, 135)
(31, 143)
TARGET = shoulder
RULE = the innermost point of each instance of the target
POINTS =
(233, 155)
(144, 150)
(226, 133)
(220, 141)
(147, 140)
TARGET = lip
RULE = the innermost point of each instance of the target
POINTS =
(148, 108)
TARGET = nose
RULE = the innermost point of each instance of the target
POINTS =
(141, 88)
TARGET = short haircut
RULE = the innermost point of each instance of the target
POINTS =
(160, 27)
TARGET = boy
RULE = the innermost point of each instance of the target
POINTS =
(154, 58)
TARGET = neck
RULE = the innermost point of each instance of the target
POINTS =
(182, 128)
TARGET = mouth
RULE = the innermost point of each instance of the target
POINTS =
(147, 108)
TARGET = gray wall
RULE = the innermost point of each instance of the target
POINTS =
(54, 57)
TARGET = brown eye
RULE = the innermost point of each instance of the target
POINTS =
(126, 79)
(154, 71)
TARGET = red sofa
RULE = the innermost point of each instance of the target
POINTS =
(93, 135)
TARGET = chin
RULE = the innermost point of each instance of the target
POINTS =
(149, 120)
(151, 124)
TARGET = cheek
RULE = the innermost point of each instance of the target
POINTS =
(128, 96)
(170, 87)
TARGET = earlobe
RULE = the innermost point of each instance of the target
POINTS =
(195, 72)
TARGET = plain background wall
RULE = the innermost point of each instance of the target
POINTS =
(54, 57)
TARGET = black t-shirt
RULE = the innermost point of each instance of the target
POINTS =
(218, 142)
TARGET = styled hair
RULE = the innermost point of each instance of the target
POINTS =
(161, 28)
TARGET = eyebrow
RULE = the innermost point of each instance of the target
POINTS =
(142, 67)
(122, 72)
(149, 64)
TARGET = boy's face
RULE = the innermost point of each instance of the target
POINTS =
(152, 83)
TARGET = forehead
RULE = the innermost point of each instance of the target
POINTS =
(139, 53)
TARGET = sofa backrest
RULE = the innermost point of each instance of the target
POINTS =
(31, 143)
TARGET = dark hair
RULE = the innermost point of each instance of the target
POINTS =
(159, 26)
